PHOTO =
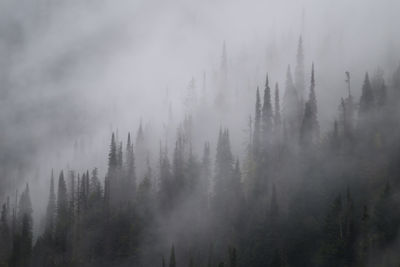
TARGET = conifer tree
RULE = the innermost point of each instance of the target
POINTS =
(120, 156)
(223, 163)
(309, 131)
(257, 124)
(62, 214)
(178, 165)
(366, 100)
(299, 72)
(313, 105)
(206, 168)
(51, 209)
(277, 113)
(25, 205)
(130, 165)
(266, 112)
(112, 156)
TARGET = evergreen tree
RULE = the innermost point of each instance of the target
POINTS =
(5, 233)
(223, 164)
(206, 168)
(178, 166)
(51, 209)
(299, 72)
(130, 165)
(277, 113)
(257, 124)
(25, 205)
(112, 156)
(120, 156)
(310, 125)
(266, 112)
(62, 214)
(366, 100)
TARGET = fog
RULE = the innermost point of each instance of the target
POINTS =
(74, 72)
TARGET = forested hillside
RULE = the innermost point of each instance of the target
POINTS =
(246, 166)
(299, 197)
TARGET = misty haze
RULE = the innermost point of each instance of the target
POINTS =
(213, 133)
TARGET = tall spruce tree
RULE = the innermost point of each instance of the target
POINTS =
(51, 209)
(367, 98)
(130, 167)
(266, 112)
(313, 105)
(61, 226)
(277, 113)
(299, 71)
(257, 124)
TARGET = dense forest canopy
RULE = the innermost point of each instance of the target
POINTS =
(199, 134)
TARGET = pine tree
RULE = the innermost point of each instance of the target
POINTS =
(120, 156)
(223, 164)
(5, 233)
(299, 72)
(178, 166)
(130, 165)
(257, 124)
(112, 156)
(206, 168)
(314, 110)
(277, 113)
(306, 126)
(51, 209)
(309, 131)
(266, 112)
(366, 100)
(25, 205)
(26, 241)
(62, 214)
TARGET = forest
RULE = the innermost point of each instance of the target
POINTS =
(297, 194)
(341, 207)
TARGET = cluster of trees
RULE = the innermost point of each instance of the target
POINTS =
(296, 199)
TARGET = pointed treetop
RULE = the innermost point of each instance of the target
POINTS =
(312, 74)
(289, 76)
(128, 143)
(277, 117)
